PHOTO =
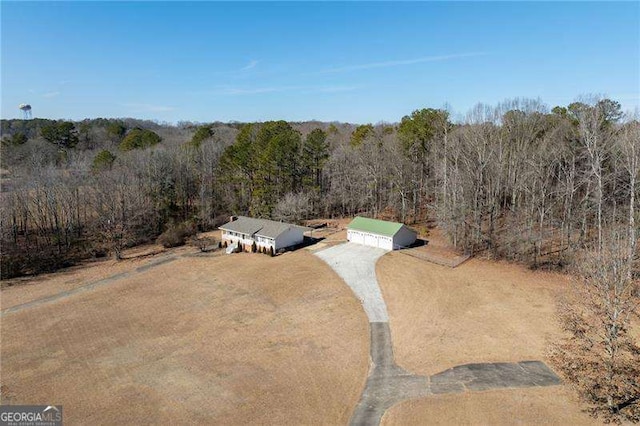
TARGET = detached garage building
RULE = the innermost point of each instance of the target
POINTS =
(380, 233)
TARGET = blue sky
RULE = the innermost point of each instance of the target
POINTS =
(357, 62)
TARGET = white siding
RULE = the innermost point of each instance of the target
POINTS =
(290, 237)
(355, 236)
(235, 237)
(403, 238)
(370, 239)
(385, 243)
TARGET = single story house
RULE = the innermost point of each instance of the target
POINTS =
(380, 233)
(266, 234)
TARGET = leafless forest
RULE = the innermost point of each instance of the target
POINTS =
(515, 181)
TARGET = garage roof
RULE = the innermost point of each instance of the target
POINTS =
(374, 226)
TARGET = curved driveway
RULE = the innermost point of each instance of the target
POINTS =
(356, 265)
(388, 383)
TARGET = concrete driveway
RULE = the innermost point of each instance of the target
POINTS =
(388, 383)
(356, 265)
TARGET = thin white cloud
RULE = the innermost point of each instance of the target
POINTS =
(387, 64)
(251, 65)
(50, 94)
(137, 107)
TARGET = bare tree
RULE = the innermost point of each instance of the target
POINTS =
(595, 134)
(629, 146)
(293, 207)
(600, 357)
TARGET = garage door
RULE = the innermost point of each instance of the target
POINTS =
(385, 243)
(371, 240)
(355, 237)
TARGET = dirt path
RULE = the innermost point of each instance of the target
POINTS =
(389, 384)
(87, 287)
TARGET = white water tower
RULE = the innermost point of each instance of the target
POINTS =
(26, 111)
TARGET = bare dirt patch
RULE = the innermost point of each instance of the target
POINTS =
(436, 249)
(230, 340)
(334, 231)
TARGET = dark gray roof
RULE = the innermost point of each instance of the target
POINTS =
(262, 227)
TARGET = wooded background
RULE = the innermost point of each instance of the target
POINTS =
(518, 180)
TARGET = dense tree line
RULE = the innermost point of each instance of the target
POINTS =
(515, 180)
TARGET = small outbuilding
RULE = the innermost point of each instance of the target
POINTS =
(248, 232)
(380, 233)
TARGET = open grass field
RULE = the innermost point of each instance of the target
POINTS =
(217, 339)
(534, 406)
(250, 339)
(481, 311)
(25, 289)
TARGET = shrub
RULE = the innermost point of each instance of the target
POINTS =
(204, 244)
(175, 235)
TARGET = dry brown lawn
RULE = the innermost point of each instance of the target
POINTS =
(228, 339)
(481, 311)
(21, 290)
(535, 406)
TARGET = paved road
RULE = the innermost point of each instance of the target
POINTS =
(388, 383)
(356, 265)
